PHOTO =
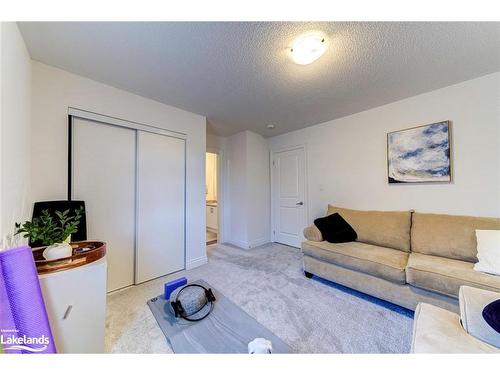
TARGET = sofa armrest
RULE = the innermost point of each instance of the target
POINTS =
(312, 233)
(472, 302)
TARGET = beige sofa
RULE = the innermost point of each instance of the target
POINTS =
(403, 257)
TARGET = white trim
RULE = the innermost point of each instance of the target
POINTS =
(250, 244)
(136, 203)
(88, 115)
(271, 189)
(197, 262)
(240, 244)
(277, 150)
(258, 242)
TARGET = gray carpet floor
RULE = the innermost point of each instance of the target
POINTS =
(267, 282)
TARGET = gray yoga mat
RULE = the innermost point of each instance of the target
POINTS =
(228, 329)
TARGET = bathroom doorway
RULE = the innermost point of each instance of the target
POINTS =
(211, 197)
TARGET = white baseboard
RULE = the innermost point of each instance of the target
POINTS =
(193, 263)
(238, 243)
(258, 242)
(250, 244)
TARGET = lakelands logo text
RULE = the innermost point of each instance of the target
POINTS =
(30, 344)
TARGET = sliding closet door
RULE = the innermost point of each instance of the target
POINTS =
(160, 205)
(104, 177)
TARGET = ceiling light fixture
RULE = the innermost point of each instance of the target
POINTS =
(270, 126)
(308, 48)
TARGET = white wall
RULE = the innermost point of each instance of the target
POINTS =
(236, 202)
(215, 142)
(54, 90)
(347, 163)
(258, 190)
(248, 200)
(15, 139)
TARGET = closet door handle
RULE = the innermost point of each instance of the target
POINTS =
(68, 310)
(299, 204)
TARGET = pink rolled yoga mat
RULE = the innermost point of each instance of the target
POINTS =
(24, 325)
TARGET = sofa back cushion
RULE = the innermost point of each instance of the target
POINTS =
(448, 236)
(382, 228)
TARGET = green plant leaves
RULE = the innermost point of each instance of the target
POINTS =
(50, 230)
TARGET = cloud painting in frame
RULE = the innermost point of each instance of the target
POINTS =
(420, 154)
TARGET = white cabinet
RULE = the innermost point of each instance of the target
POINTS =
(75, 300)
(212, 217)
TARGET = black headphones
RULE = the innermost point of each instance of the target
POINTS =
(179, 310)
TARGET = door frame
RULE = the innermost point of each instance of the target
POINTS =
(221, 191)
(272, 153)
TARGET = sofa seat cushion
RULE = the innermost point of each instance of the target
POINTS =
(445, 276)
(383, 262)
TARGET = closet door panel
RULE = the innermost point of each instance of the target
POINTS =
(104, 177)
(160, 205)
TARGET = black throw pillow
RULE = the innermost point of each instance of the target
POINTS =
(491, 315)
(335, 229)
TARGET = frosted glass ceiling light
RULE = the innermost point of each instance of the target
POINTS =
(308, 48)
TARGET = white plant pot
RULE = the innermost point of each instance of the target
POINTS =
(57, 251)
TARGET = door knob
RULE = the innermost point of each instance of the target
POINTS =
(299, 204)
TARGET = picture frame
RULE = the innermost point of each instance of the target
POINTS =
(420, 154)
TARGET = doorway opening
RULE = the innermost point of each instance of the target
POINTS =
(211, 197)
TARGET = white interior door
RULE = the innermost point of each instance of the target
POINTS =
(160, 205)
(104, 177)
(288, 196)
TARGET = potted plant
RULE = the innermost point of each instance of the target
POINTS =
(53, 232)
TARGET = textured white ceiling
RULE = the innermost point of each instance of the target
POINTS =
(239, 75)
